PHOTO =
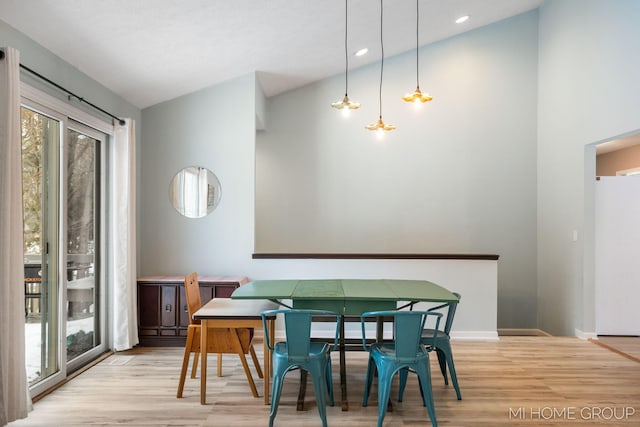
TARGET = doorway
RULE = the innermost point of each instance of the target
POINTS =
(63, 194)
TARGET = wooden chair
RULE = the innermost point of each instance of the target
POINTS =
(219, 340)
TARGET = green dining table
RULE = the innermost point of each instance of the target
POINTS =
(347, 297)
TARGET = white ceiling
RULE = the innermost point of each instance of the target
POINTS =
(149, 51)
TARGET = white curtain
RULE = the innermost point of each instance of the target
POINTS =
(14, 397)
(124, 324)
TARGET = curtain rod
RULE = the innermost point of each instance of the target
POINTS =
(79, 98)
(68, 92)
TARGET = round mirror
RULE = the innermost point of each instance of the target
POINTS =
(195, 192)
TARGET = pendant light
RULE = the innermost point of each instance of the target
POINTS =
(417, 97)
(380, 125)
(346, 105)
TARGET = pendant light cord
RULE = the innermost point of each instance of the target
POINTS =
(417, 42)
(346, 54)
(381, 63)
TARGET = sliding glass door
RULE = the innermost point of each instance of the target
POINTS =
(63, 193)
(41, 137)
(83, 243)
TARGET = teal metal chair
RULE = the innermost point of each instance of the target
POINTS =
(299, 352)
(405, 353)
(442, 345)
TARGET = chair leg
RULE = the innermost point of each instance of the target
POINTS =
(385, 376)
(402, 375)
(276, 390)
(445, 358)
(442, 361)
(319, 387)
(219, 361)
(194, 367)
(256, 362)
(185, 362)
(424, 378)
(368, 381)
(454, 377)
(329, 379)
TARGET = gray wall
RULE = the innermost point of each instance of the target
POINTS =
(214, 128)
(457, 177)
(588, 91)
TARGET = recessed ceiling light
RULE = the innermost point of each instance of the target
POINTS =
(361, 52)
(462, 19)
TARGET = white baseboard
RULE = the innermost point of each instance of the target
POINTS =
(522, 332)
(475, 336)
(585, 335)
(353, 330)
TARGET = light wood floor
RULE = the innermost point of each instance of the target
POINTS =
(528, 381)
(627, 346)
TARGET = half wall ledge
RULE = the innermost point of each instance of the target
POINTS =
(474, 276)
(276, 255)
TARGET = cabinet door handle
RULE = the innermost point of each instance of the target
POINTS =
(167, 307)
(186, 309)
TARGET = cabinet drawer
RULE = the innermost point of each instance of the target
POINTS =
(168, 307)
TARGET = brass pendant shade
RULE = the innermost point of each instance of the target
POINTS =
(417, 97)
(346, 104)
(380, 125)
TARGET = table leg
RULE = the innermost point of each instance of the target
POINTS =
(243, 360)
(343, 369)
(379, 329)
(204, 328)
(303, 389)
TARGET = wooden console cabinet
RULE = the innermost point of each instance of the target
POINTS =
(162, 305)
